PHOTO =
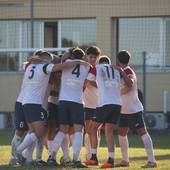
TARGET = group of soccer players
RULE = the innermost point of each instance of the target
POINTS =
(62, 95)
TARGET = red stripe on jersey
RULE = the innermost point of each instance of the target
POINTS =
(64, 60)
(128, 71)
(93, 71)
(27, 65)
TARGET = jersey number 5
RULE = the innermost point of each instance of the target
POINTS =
(76, 71)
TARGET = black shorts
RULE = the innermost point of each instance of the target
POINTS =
(133, 121)
(89, 113)
(33, 112)
(107, 114)
(52, 111)
(20, 122)
(71, 113)
(45, 115)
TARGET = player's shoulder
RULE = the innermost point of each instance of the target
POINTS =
(128, 70)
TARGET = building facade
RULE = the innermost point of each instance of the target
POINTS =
(139, 26)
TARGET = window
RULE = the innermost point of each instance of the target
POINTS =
(78, 32)
(138, 35)
(46, 34)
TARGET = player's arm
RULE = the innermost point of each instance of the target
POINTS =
(125, 89)
(128, 81)
(93, 83)
(90, 78)
(58, 67)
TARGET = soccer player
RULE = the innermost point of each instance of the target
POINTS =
(71, 108)
(109, 105)
(132, 115)
(20, 122)
(37, 78)
(90, 98)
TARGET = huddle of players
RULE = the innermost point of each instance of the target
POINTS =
(77, 77)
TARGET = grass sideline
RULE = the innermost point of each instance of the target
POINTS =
(136, 152)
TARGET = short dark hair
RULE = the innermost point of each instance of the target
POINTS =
(123, 56)
(104, 59)
(78, 53)
(93, 50)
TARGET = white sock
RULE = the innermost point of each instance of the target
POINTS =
(124, 146)
(77, 144)
(28, 140)
(148, 147)
(94, 151)
(29, 152)
(57, 143)
(50, 145)
(16, 140)
(65, 146)
(39, 147)
(111, 155)
(87, 143)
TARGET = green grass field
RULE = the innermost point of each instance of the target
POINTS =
(136, 152)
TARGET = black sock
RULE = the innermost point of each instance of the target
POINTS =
(110, 161)
(94, 157)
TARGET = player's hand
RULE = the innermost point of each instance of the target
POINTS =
(84, 63)
(117, 68)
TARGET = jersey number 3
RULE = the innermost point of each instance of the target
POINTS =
(32, 73)
(76, 71)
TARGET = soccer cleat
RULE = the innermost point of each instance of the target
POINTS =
(107, 165)
(40, 163)
(91, 162)
(18, 157)
(150, 165)
(51, 162)
(28, 164)
(122, 164)
(78, 164)
(12, 162)
(65, 161)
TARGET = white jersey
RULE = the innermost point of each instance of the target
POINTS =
(72, 82)
(90, 97)
(130, 101)
(108, 81)
(23, 86)
(54, 95)
(37, 79)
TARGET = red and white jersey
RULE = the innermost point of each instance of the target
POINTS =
(130, 101)
(90, 96)
(54, 97)
(72, 81)
(108, 81)
(37, 79)
(23, 86)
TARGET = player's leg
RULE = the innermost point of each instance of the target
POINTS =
(142, 132)
(123, 140)
(63, 130)
(110, 119)
(110, 144)
(53, 125)
(94, 143)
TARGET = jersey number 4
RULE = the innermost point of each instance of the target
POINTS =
(76, 71)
